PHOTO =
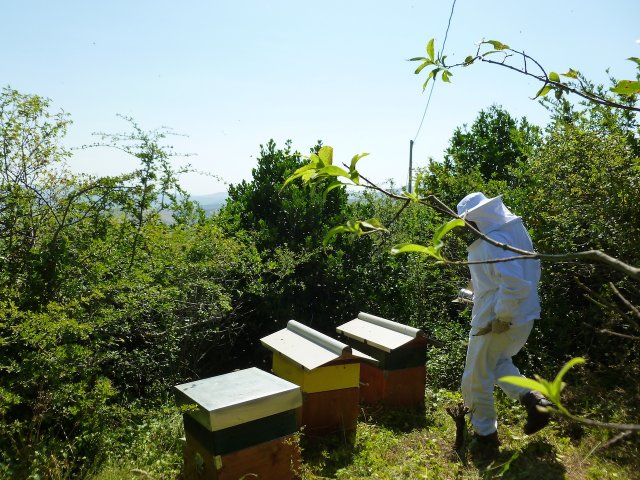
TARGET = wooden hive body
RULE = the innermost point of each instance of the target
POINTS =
(240, 423)
(399, 378)
(328, 373)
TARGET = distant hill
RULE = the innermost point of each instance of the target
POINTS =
(210, 202)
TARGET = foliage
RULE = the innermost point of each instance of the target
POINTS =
(493, 144)
(497, 53)
(104, 305)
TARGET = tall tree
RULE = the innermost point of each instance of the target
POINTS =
(494, 143)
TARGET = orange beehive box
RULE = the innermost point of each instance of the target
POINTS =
(399, 378)
(277, 459)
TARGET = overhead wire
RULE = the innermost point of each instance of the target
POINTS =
(433, 84)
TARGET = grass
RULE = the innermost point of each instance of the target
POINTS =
(414, 445)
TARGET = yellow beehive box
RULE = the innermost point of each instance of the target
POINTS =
(327, 371)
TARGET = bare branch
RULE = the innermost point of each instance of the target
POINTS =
(627, 303)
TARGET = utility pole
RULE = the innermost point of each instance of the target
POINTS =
(409, 182)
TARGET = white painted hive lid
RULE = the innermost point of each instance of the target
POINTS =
(379, 332)
(238, 397)
(305, 346)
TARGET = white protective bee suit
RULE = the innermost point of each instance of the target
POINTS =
(505, 291)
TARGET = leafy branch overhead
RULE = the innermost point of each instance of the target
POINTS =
(497, 53)
(321, 172)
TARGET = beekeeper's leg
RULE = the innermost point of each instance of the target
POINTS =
(516, 338)
(477, 383)
(488, 358)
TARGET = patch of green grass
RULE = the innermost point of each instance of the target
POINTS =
(407, 445)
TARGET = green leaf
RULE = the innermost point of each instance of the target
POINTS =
(571, 73)
(421, 67)
(411, 196)
(326, 155)
(635, 59)
(526, 383)
(414, 248)
(490, 52)
(416, 184)
(446, 74)
(497, 45)
(417, 59)
(300, 172)
(408, 248)
(444, 229)
(335, 231)
(333, 185)
(315, 159)
(431, 49)
(543, 91)
(468, 61)
(355, 159)
(626, 87)
(373, 224)
(557, 383)
(554, 77)
(333, 171)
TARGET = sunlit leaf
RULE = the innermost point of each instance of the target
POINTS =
(417, 59)
(373, 224)
(554, 77)
(422, 66)
(315, 159)
(333, 185)
(627, 87)
(446, 74)
(333, 171)
(407, 248)
(431, 49)
(497, 45)
(570, 74)
(411, 196)
(335, 231)
(526, 383)
(557, 383)
(326, 155)
(417, 182)
(635, 59)
(442, 230)
(300, 172)
(355, 159)
(414, 248)
(543, 91)
(469, 60)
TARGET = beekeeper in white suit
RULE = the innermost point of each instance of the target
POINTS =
(505, 305)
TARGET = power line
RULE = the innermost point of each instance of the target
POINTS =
(446, 34)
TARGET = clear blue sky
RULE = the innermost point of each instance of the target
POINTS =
(231, 74)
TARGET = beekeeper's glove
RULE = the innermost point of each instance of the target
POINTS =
(496, 326)
(500, 326)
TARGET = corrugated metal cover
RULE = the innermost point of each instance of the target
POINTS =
(309, 351)
(238, 397)
(391, 325)
(379, 332)
(310, 348)
(374, 335)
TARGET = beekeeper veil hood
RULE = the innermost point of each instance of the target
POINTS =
(487, 213)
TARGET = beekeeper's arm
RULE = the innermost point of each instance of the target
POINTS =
(513, 289)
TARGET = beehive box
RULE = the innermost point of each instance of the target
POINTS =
(327, 371)
(399, 378)
(240, 423)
